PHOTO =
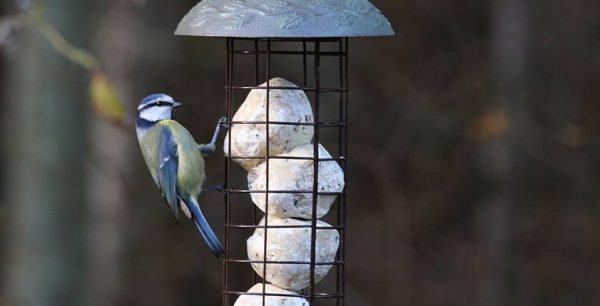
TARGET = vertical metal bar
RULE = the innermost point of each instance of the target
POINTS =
(315, 190)
(268, 155)
(341, 153)
(228, 110)
(341, 100)
(256, 83)
(304, 78)
(345, 168)
(256, 63)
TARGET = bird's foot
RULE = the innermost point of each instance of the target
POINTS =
(210, 148)
(207, 148)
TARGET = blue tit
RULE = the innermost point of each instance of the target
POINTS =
(175, 161)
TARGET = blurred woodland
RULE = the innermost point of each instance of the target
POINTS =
(474, 155)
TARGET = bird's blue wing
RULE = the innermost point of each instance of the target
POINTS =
(167, 169)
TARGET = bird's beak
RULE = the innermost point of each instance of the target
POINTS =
(177, 104)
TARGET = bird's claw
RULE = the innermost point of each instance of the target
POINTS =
(223, 122)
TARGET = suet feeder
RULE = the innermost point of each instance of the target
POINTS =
(290, 57)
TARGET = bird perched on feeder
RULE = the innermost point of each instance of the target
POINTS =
(175, 160)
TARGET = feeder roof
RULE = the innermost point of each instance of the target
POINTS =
(284, 19)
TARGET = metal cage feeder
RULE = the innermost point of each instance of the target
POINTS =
(309, 32)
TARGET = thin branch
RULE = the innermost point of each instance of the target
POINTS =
(76, 55)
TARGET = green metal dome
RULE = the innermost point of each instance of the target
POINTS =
(285, 18)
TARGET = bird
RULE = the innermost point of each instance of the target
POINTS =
(175, 161)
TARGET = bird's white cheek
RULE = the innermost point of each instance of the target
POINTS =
(157, 113)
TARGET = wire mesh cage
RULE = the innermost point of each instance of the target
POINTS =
(254, 72)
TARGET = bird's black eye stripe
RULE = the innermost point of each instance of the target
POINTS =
(157, 103)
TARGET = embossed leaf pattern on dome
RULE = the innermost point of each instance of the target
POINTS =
(345, 20)
(320, 7)
(234, 5)
(276, 6)
(284, 18)
(360, 7)
(203, 15)
(239, 20)
(292, 21)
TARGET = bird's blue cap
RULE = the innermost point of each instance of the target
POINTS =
(157, 99)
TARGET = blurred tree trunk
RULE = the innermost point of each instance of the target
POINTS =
(46, 124)
(509, 45)
(111, 149)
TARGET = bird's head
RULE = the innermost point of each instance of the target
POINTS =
(157, 107)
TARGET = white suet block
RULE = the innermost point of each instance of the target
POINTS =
(292, 244)
(256, 300)
(297, 175)
(284, 106)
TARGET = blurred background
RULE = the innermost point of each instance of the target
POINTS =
(474, 170)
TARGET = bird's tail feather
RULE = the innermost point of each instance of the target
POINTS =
(207, 233)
